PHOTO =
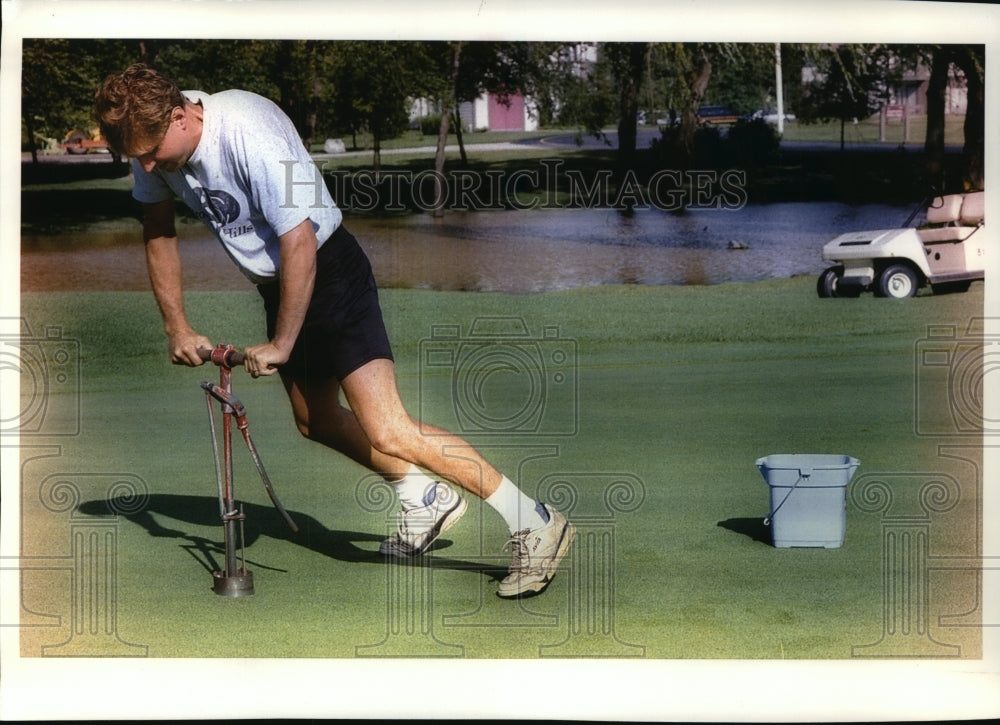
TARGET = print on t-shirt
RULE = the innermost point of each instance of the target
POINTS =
(220, 204)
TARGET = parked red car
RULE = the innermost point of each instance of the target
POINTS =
(78, 142)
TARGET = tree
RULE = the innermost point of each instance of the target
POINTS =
(372, 81)
(743, 77)
(503, 68)
(680, 75)
(457, 72)
(849, 82)
(460, 72)
(970, 60)
(297, 68)
(290, 72)
(594, 95)
(934, 140)
(628, 63)
(58, 81)
(451, 101)
(672, 76)
(217, 65)
(693, 62)
(556, 75)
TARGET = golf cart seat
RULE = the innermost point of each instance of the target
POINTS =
(953, 218)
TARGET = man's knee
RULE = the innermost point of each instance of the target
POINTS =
(392, 439)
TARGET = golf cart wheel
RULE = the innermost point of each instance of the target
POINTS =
(828, 285)
(897, 281)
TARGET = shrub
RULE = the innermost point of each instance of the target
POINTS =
(709, 149)
(430, 125)
(753, 143)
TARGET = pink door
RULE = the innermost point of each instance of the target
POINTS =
(507, 118)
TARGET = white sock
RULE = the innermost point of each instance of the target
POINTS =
(415, 489)
(519, 511)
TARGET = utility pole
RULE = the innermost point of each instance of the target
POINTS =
(777, 88)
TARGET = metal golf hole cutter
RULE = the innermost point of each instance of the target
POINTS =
(235, 580)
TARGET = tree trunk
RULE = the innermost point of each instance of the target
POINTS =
(459, 137)
(450, 102)
(314, 107)
(288, 97)
(439, 201)
(631, 80)
(29, 126)
(696, 79)
(934, 141)
(147, 51)
(974, 129)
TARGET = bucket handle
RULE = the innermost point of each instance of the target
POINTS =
(804, 474)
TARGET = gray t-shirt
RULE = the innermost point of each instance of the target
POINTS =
(250, 180)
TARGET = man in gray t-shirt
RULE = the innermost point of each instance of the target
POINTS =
(237, 161)
(250, 180)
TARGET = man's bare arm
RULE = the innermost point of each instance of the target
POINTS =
(164, 265)
(297, 277)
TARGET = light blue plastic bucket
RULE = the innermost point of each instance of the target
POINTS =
(808, 498)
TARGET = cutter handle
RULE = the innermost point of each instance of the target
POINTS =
(223, 356)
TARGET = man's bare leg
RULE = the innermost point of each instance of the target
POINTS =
(320, 417)
(398, 440)
(372, 394)
(379, 433)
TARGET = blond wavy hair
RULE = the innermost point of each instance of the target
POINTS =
(133, 107)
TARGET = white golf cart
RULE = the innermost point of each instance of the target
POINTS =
(947, 252)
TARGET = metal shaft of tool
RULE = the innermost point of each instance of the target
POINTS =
(234, 580)
(243, 541)
(240, 415)
(229, 503)
(215, 453)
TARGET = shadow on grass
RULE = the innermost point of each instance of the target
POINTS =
(262, 521)
(754, 528)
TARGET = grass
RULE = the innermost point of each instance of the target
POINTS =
(867, 131)
(678, 391)
(415, 139)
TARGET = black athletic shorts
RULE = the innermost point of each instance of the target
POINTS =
(343, 327)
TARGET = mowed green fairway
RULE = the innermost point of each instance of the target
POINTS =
(653, 405)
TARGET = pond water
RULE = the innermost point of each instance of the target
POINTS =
(507, 251)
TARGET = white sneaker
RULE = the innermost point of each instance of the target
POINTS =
(537, 553)
(420, 527)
